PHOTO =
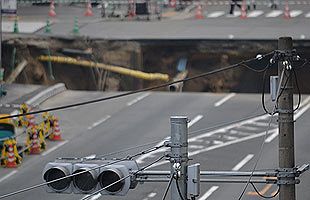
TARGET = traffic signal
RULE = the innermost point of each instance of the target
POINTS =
(56, 170)
(91, 175)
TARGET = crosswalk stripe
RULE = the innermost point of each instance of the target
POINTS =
(295, 13)
(215, 14)
(255, 13)
(274, 13)
(307, 15)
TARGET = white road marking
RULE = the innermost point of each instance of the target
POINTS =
(139, 98)
(272, 136)
(195, 120)
(223, 100)
(99, 122)
(304, 108)
(94, 197)
(274, 13)
(152, 194)
(209, 193)
(295, 13)
(307, 15)
(54, 148)
(196, 146)
(216, 14)
(8, 175)
(236, 14)
(255, 13)
(244, 161)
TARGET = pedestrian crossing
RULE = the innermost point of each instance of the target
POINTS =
(258, 13)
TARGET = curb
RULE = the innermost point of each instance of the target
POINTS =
(43, 96)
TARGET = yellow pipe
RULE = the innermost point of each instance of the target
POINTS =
(120, 70)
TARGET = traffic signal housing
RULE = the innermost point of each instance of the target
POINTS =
(91, 175)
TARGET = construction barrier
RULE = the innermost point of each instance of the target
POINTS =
(116, 69)
(9, 154)
(35, 140)
(55, 135)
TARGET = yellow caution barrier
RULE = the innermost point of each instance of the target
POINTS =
(116, 69)
(9, 155)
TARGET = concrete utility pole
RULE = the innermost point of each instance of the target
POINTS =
(179, 156)
(286, 124)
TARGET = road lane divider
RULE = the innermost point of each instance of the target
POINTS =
(194, 120)
(223, 100)
(139, 98)
(208, 193)
(244, 161)
(54, 148)
(8, 175)
(97, 123)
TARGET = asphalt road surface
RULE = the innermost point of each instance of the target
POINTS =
(142, 118)
(262, 23)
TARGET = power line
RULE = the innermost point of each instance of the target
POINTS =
(264, 139)
(242, 63)
(167, 188)
(265, 197)
(79, 173)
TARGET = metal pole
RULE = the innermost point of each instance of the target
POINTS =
(286, 124)
(179, 157)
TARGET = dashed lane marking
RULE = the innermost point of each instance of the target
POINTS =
(223, 100)
(54, 148)
(244, 161)
(8, 175)
(274, 13)
(272, 136)
(139, 98)
(195, 120)
(97, 123)
(209, 193)
(152, 194)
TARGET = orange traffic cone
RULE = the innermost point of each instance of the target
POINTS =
(10, 159)
(31, 120)
(88, 11)
(52, 12)
(243, 10)
(287, 13)
(35, 146)
(199, 14)
(56, 130)
(172, 3)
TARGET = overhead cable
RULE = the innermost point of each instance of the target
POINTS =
(140, 90)
(79, 173)
(120, 180)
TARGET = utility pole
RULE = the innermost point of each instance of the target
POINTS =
(286, 124)
(179, 156)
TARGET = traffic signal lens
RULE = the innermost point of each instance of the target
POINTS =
(56, 173)
(111, 176)
(85, 182)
